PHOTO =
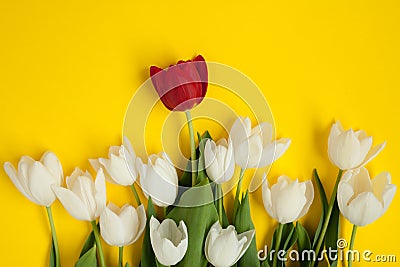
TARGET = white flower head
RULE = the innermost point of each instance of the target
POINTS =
(35, 178)
(362, 200)
(254, 147)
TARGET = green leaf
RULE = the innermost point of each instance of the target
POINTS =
(244, 223)
(303, 243)
(90, 241)
(186, 178)
(127, 265)
(148, 257)
(89, 259)
(52, 254)
(265, 264)
(324, 204)
(198, 221)
(332, 232)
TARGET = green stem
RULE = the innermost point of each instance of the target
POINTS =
(120, 256)
(327, 216)
(165, 212)
(136, 195)
(353, 238)
(192, 146)
(98, 243)
(54, 236)
(277, 244)
(220, 202)
(239, 186)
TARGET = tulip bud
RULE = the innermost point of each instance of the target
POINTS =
(122, 227)
(287, 200)
(361, 200)
(83, 198)
(120, 167)
(168, 240)
(181, 86)
(349, 150)
(224, 247)
(219, 161)
(35, 178)
(254, 148)
(158, 179)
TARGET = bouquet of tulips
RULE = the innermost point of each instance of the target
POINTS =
(196, 230)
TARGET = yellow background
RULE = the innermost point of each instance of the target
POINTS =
(69, 68)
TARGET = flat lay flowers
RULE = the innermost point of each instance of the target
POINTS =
(213, 233)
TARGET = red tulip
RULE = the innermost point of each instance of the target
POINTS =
(181, 86)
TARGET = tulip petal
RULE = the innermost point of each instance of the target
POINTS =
(248, 237)
(266, 196)
(50, 161)
(72, 203)
(100, 194)
(240, 130)
(364, 209)
(40, 180)
(373, 153)
(112, 228)
(141, 213)
(70, 180)
(388, 196)
(20, 185)
(309, 197)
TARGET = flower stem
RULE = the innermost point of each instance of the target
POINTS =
(277, 244)
(239, 186)
(353, 238)
(120, 256)
(54, 236)
(98, 243)
(135, 194)
(220, 203)
(192, 146)
(327, 216)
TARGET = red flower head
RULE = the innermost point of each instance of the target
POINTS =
(181, 86)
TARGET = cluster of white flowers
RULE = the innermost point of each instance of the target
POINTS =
(360, 200)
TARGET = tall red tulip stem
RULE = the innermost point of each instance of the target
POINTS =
(192, 147)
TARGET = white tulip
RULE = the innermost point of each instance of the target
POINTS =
(122, 226)
(219, 160)
(254, 148)
(158, 179)
(361, 200)
(120, 167)
(224, 247)
(35, 178)
(287, 200)
(83, 198)
(348, 149)
(168, 240)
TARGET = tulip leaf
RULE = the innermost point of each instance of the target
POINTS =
(198, 220)
(159, 264)
(52, 262)
(244, 223)
(90, 241)
(148, 256)
(127, 265)
(201, 174)
(89, 259)
(303, 243)
(332, 232)
(186, 178)
(324, 204)
(265, 263)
